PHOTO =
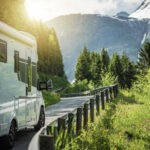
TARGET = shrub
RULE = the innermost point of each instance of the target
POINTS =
(79, 86)
(50, 98)
(109, 79)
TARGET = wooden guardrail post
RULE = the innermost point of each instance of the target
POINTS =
(52, 130)
(85, 115)
(55, 133)
(92, 110)
(116, 90)
(102, 100)
(110, 93)
(70, 123)
(79, 121)
(107, 98)
(62, 128)
(46, 142)
(49, 129)
(97, 104)
(61, 124)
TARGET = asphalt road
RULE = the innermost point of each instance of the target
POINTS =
(23, 139)
(28, 140)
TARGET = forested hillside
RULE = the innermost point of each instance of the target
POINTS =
(117, 34)
(13, 12)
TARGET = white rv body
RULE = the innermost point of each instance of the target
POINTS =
(17, 103)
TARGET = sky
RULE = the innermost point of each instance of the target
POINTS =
(48, 9)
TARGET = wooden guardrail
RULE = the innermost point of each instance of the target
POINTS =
(79, 116)
(86, 93)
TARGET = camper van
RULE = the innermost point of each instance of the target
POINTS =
(21, 102)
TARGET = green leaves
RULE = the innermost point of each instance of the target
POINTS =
(124, 69)
(100, 70)
(82, 68)
(105, 60)
(144, 56)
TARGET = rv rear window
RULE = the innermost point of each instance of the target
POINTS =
(3, 51)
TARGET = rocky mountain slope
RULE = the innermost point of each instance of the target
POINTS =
(119, 33)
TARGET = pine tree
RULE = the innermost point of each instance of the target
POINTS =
(95, 68)
(116, 67)
(144, 56)
(105, 60)
(83, 66)
(128, 71)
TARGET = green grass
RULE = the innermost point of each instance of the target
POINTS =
(58, 82)
(51, 97)
(132, 122)
(124, 125)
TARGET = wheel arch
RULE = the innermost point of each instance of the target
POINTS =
(13, 118)
(16, 123)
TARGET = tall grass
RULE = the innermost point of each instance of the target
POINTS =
(51, 97)
(124, 125)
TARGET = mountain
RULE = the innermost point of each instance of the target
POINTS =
(117, 34)
(143, 10)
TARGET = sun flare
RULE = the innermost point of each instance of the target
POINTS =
(34, 10)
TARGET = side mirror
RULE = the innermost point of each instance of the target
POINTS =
(45, 85)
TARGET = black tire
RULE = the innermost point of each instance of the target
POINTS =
(10, 138)
(41, 121)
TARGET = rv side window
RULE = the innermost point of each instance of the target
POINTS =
(3, 51)
(22, 71)
(16, 61)
(34, 75)
(29, 74)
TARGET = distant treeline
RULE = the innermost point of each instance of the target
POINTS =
(99, 68)
(13, 12)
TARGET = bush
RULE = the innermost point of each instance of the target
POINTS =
(58, 82)
(50, 98)
(77, 87)
(109, 79)
(142, 85)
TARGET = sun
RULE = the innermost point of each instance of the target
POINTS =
(33, 10)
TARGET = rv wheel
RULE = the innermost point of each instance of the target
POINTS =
(41, 121)
(10, 139)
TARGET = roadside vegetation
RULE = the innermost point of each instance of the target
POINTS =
(95, 70)
(51, 97)
(125, 123)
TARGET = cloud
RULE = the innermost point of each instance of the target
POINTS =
(53, 8)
